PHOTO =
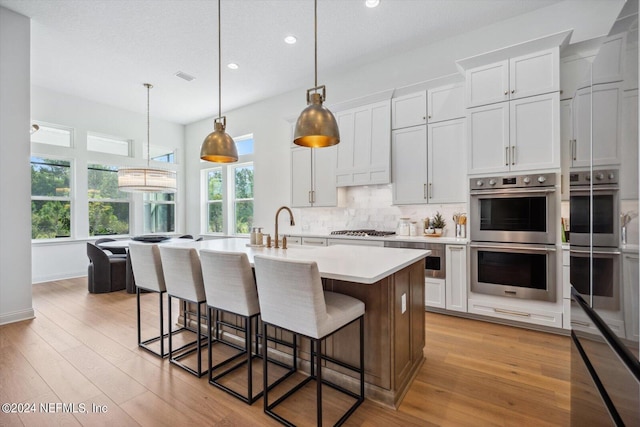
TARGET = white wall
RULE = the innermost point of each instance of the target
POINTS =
(15, 178)
(267, 119)
(56, 260)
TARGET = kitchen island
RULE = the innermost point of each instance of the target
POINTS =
(390, 281)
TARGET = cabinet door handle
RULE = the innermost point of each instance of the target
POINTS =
(431, 190)
(506, 156)
(310, 197)
(506, 92)
(424, 190)
(313, 196)
(513, 154)
(578, 323)
(513, 91)
(575, 148)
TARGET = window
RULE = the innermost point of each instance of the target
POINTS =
(214, 201)
(159, 212)
(162, 154)
(109, 145)
(50, 198)
(48, 134)
(108, 207)
(229, 193)
(243, 198)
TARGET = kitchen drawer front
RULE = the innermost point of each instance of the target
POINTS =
(292, 240)
(314, 241)
(526, 315)
(331, 242)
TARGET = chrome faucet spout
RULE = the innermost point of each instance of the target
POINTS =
(291, 221)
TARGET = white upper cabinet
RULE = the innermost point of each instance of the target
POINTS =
(409, 110)
(313, 177)
(447, 162)
(605, 116)
(520, 135)
(365, 145)
(409, 165)
(488, 138)
(488, 84)
(566, 143)
(535, 132)
(515, 78)
(445, 103)
(608, 66)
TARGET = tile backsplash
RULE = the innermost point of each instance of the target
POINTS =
(369, 207)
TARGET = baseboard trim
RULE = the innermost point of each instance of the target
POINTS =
(17, 316)
(54, 277)
(473, 316)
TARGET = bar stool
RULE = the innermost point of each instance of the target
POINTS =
(291, 297)
(230, 287)
(148, 270)
(183, 279)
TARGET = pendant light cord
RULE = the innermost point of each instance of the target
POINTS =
(219, 65)
(149, 86)
(315, 38)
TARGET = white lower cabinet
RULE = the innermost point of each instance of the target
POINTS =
(630, 277)
(502, 310)
(456, 279)
(434, 293)
(449, 293)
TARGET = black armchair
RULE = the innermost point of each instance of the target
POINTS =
(115, 251)
(105, 273)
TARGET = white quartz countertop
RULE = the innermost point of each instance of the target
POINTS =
(361, 264)
(444, 240)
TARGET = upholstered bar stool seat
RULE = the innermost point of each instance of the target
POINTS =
(291, 297)
(183, 279)
(147, 265)
(230, 287)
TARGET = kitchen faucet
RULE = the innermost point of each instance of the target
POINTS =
(290, 217)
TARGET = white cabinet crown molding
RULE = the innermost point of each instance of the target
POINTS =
(560, 39)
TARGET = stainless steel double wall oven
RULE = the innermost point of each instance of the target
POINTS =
(595, 237)
(513, 236)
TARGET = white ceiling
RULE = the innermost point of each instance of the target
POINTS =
(103, 50)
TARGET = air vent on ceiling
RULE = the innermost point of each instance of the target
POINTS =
(184, 76)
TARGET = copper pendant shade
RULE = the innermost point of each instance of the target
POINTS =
(316, 126)
(218, 146)
(146, 180)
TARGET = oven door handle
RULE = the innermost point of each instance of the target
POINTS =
(595, 189)
(513, 191)
(512, 247)
(598, 252)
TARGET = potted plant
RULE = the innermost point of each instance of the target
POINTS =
(438, 223)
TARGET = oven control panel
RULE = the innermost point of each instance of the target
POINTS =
(516, 181)
(596, 177)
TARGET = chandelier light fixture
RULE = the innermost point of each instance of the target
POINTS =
(316, 127)
(218, 146)
(146, 180)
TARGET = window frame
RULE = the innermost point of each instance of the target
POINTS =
(129, 141)
(146, 202)
(127, 199)
(70, 198)
(228, 191)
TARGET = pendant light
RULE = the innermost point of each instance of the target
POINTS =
(316, 127)
(218, 146)
(146, 180)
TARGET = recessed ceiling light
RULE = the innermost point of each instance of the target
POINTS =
(233, 66)
(290, 39)
(184, 76)
(372, 3)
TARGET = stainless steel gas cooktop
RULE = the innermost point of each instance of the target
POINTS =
(363, 233)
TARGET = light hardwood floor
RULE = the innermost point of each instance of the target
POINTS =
(81, 349)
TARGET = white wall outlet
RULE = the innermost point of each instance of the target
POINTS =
(404, 303)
